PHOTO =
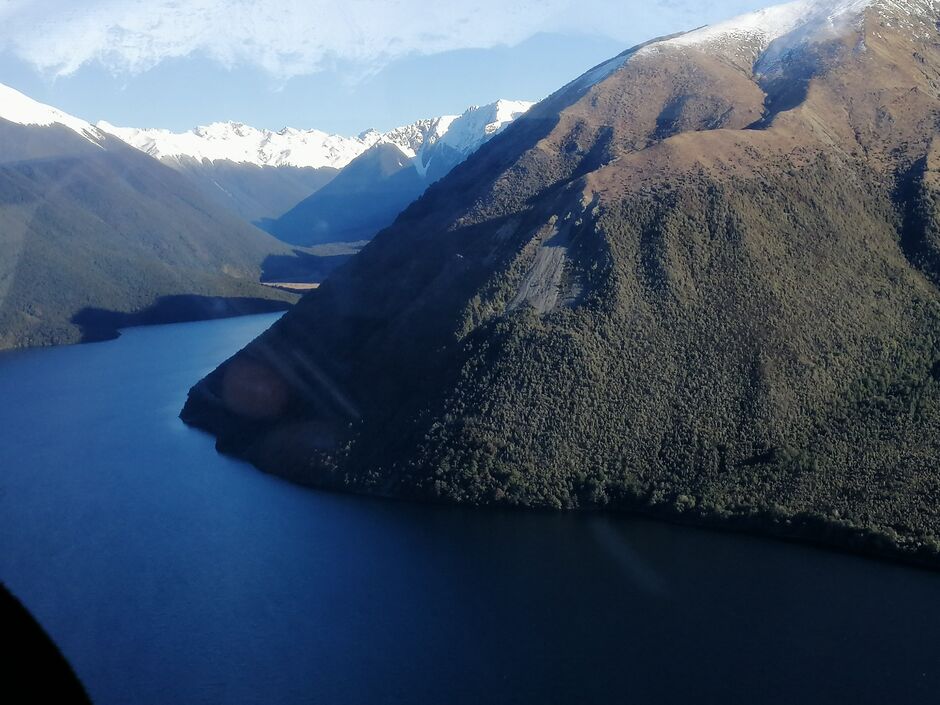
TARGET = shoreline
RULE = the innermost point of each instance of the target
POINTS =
(184, 309)
(816, 531)
(99, 326)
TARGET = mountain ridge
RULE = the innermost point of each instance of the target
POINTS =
(242, 144)
(377, 185)
(18, 108)
(94, 232)
(262, 175)
(676, 286)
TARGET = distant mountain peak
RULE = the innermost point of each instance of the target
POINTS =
(240, 143)
(21, 109)
(469, 131)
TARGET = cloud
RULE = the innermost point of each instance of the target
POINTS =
(294, 37)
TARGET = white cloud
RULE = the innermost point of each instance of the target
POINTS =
(293, 37)
(285, 37)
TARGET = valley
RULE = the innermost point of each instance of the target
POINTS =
(627, 393)
(105, 227)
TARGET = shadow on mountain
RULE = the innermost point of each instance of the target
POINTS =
(919, 235)
(265, 224)
(99, 324)
(365, 198)
(34, 670)
(787, 86)
(301, 267)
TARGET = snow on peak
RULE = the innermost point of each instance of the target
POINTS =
(790, 24)
(759, 39)
(411, 139)
(464, 134)
(478, 124)
(770, 23)
(240, 143)
(23, 110)
(237, 142)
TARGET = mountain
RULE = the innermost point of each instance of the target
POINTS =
(257, 194)
(237, 143)
(701, 282)
(262, 174)
(365, 197)
(258, 174)
(377, 185)
(96, 235)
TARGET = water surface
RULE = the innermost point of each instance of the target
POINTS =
(170, 575)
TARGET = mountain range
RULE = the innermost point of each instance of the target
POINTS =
(259, 174)
(700, 281)
(104, 227)
(270, 178)
(95, 235)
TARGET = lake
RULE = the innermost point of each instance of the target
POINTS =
(171, 575)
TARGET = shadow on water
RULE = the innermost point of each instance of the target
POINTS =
(301, 267)
(98, 324)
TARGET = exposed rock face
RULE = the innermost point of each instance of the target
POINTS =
(702, 280)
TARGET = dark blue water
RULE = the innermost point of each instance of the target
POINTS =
(171, 575)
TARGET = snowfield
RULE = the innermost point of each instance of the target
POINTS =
(243, 144)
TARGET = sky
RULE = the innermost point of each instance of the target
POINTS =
(340, 66)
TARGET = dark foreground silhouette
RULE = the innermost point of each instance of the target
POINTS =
(33, 669)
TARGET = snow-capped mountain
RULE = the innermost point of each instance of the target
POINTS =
(377, 185)
(479, 124)
(94, 232)
(411, 139)
(775, 30)
(262, 174)
(757, 41)
(20, 109)
(461, 136)
(242, 144)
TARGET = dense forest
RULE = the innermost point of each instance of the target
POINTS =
(96, 229)
(678, 285)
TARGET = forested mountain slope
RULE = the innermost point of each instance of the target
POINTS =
(700, 281)
(91, 229)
